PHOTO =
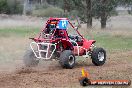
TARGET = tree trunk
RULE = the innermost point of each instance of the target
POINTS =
(103, 14)
(89, 14)
(103, 22)
(24, 7)
(54, 2)
(64, 6)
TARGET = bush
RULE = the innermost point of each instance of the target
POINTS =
(73, 14)
(48, 12)
(42, 6)
(15, 7)
(3, 6)
(129, 11)
(114, 13)
(10, 7)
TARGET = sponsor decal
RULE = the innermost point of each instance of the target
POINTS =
(85, 80)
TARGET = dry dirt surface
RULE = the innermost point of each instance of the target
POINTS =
(50, 74)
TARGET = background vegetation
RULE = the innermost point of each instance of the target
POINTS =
(84, 9)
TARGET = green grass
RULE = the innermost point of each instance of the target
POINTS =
(18, 31)
(109, 42)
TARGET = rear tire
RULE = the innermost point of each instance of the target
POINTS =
(29, 59)
(67, 59)
(98, 56)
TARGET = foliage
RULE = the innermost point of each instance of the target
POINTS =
(84, 9)
(99, 7)
(56, 3)
(81, 8)
(10, 7)
(15, 7)
(48, 12)
(125, 2)
(3, 6)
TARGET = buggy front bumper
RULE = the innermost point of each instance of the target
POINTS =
(43, 50)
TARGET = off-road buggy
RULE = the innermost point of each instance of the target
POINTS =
(55, 42)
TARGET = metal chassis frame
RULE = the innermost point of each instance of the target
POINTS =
(39, 56)
(87, 52)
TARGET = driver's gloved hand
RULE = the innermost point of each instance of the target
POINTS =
(76, 38)
(71, 37)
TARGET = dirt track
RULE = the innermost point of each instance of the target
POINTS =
(52, 75)
(49, 74)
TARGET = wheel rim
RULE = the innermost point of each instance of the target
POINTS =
(71, 59)
(101, 56)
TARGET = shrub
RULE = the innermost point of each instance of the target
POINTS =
(48, 12)
(10, 7)
(15, 7)
(129, 11)
(114, 13)
(3, 6)
(73, 14)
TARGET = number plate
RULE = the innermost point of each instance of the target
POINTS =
(63, 24)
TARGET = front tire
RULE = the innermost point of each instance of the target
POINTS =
(29, 59)
(67, 59)
(98, 56)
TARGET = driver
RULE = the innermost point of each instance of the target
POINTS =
(50, 28)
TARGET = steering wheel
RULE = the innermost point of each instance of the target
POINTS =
(45, 35)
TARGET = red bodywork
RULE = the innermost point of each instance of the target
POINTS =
(63, 38)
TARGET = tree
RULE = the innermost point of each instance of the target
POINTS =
(126, 3)
(10, 7)
(3, 6)
(68, 6)
(103, 13)
(89, 13)
(85, 10)
(102, 9)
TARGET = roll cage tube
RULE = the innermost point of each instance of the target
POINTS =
(43, 29)
(75, 30)
(57, 19)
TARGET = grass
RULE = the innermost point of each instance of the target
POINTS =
(111, 40)
(18, 31)
(106, 40)
(114, 43)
